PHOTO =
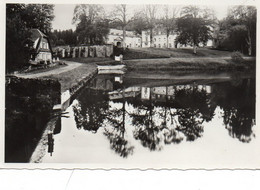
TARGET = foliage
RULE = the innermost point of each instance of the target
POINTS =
(138, 23)
(194, 26)
(64, 37)
(20, 18)
(92, 27)
(39, 16)
(237, 32)
(237, 57)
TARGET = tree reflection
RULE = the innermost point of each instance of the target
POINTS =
(116, 131)
(166, 122)
(194, 108)
(169, 124)
(238, 104)
(91, 110)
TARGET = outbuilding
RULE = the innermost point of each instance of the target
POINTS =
(42, 47)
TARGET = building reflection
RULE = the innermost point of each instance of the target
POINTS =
(163, 114)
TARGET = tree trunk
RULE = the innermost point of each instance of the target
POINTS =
(167, 40)
(151, 38)
(124, 32)
(249, 43)
(194, 49)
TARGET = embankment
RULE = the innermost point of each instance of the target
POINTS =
(29, 104)
(188, 64)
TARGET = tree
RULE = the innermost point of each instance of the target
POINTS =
(138, 23)
(92, 27)
(150, 17)
(246, 16)
(39, 16)
(168, 21)
(121, 16)
(194, 27)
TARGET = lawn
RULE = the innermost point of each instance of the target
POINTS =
(182, 52)
(70, 79)
(200, 63)
(89, 59)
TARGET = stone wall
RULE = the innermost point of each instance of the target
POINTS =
(84, 51)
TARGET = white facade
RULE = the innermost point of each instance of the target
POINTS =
(159, 40)
(131, 40)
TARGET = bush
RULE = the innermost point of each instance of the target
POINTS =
(237, 57)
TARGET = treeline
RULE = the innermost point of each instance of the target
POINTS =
(193, 26)
(63, 37)
(237, 32)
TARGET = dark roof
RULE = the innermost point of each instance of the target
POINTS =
(36, 33)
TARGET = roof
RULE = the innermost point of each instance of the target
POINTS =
(36, 33)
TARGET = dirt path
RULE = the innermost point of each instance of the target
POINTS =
(70, 66)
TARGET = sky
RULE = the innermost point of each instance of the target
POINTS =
(64, 14)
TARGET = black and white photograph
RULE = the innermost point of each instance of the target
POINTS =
(131, 86)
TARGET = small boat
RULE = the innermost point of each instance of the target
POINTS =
(111, 67)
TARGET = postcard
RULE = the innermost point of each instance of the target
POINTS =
(130, 86)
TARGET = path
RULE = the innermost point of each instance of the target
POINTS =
(70, 65)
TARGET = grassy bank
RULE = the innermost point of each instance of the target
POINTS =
(203, 63)
(70, 79)
(89, 59)
(142, 53)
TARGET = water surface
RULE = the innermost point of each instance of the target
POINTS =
(191, 120)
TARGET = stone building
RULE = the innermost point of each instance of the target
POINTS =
(115, 37)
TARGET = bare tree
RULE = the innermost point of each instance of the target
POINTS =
(169, 20)
(122, 17)
(150, 14)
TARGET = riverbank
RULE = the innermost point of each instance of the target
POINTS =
(189, 64)
(69, 76)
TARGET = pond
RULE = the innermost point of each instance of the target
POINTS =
(160, 120)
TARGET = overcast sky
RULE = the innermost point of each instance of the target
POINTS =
(64, 13)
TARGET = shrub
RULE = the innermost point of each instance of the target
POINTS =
(237, 57)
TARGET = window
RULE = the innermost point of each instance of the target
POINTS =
(170, 45)
(154, 45)
(154, 39)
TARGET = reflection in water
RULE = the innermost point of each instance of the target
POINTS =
(238, 104)
(116, 133)
(156, 116)
(90, 111)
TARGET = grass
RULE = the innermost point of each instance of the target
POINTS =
(203, 63)
(70, 79)
(40, 69)
(181, 52)
(143, 53)
(89, 59)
